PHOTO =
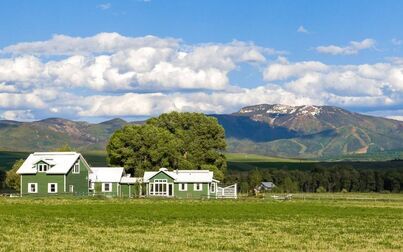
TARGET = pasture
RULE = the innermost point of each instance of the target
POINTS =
(309, 222)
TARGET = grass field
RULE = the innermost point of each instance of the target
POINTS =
(173, 225)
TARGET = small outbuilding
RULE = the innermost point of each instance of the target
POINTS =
(265, 186)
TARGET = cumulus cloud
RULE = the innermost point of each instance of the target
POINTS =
(110, 61)
(100, 43)
(21, 100)
(370, 85)
(17, 115)
(353, 48)
(110, 75)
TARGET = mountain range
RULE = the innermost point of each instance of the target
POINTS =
(316, 132)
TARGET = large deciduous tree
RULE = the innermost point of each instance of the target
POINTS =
(174, 140)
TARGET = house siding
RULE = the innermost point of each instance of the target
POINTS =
(191, 193)
(78, 180)
(42, 179)
(98, 189)
(127, 190)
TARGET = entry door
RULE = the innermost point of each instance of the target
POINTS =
(170, 189)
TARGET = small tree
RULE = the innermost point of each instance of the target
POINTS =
(254, 178)
(320, 189)
(12, 178)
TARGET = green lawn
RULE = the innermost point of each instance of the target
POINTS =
(174, 225)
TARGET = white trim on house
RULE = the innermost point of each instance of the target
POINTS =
(64, 181)
(183, 187)
(76, 167)
(197, 187)
(109, 185)
(213, 187)
(50, 187)
(32, 191)
(71, 188)
(20, 186)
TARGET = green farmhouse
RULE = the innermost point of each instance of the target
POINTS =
(180, 184)
(67, 173)
(54, 173)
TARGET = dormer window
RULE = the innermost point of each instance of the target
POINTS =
(76, 168)
(43, 167)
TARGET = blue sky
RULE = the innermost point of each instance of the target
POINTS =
(342, 53)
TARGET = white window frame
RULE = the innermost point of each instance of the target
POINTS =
(184, 188)
(42, 167)
(76, 168)
(103, 187)
(195, 185)
(158, 186)
(71, 188)
(50, 187)
(29, 187)
(213, 187)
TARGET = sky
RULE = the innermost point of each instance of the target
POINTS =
(97, 60)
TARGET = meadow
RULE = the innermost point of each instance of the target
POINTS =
(308, 222)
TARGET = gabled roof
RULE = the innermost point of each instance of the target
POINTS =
(60, 162)
(268, 184)
(184, 176)
(106, 174)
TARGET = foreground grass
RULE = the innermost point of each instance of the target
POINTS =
(174, 225)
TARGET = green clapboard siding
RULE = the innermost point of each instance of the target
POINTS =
(42, 179)
(78, 180)
(127, 190)
(191, 193)
(98, 189)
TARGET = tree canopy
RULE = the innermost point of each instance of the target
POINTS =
(12, 178)
(173, 140)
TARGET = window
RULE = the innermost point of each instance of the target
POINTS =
(32, 187)
(52, 188)
(159, 187)
(71, 188)
(42, 167)
(212, 187)
(76, 168)
(198, 187)
(107, 187)
(183, 187)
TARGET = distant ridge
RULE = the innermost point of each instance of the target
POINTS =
(317, 132)
(309, 131)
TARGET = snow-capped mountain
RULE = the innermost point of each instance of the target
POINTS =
(309, 131)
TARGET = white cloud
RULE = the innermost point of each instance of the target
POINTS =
(353, 48)
(109, 61)
(113, 75)
(17, 115)
(100, 43)
(104, 6)
(18, 100)
(302, 29)
(373, 85)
